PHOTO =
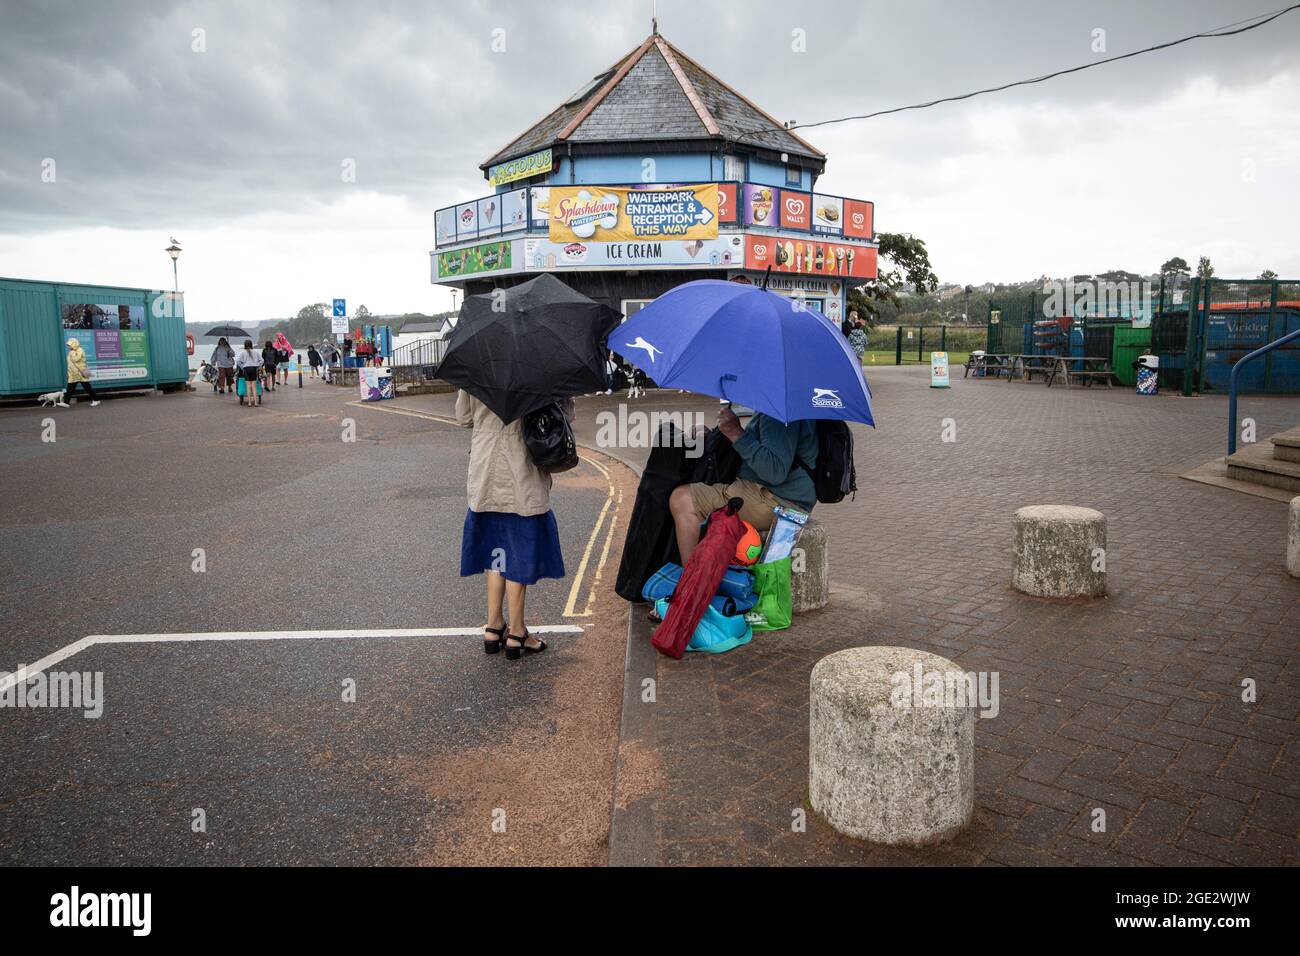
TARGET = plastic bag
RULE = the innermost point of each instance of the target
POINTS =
(775, 608)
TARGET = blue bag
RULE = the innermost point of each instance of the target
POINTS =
(716, 632)
(735, 595)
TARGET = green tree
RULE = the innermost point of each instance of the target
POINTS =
(309, 325)
(1203, 268)
(1177, 266)
(903, 264)
(1268, 275)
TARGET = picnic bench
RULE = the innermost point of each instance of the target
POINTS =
(1081, 369)
(989, 364)
(1025, 367)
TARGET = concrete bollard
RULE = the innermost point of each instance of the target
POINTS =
(1293, 539)
(810, 572)
(1059, 551)
(886, 763)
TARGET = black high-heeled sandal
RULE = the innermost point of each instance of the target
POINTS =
(494, 645)
(514, 653)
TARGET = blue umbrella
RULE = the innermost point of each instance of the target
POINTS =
(747, 345)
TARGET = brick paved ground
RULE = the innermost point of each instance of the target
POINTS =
(1131, 703)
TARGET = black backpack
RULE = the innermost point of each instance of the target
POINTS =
(834, 477)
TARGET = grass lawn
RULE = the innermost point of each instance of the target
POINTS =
(883, 357)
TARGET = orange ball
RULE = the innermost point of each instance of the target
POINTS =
(750, 546)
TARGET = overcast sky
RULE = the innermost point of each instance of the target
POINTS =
(237, 149)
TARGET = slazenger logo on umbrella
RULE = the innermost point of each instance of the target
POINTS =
(641, 343)
(826, 398)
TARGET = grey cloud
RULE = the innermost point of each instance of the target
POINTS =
(147, 132)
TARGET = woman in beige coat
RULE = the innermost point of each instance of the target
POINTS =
(78, 372)
(510, 532)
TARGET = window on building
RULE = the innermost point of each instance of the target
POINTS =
(632, 306)
(733, 168)
(793, 176)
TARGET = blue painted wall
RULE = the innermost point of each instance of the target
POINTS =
(699, 167)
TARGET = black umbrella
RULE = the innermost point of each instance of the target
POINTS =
(228, 331)
(517, 349)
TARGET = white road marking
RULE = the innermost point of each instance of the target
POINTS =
(76, 647)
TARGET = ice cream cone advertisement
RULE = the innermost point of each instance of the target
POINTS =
(810, 257)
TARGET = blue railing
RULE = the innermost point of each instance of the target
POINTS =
(1232, 384)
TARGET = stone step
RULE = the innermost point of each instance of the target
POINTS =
(1255, 463)
(1286, 445)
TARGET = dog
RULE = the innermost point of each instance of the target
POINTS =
(636, 383)
(54, 398)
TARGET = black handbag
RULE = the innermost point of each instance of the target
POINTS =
(549, 439)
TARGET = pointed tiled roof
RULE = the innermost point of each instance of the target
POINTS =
(658, 93)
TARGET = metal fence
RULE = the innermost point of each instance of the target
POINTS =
(425, 353)
(1199, 328)
(910, 344)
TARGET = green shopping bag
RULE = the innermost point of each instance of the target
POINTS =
(775, 607)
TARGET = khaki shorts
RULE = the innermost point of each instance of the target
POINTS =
(758, 506)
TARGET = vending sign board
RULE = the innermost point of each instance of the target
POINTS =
(533, 164)
(467, 221)
(727, 211)
(828, 215)
(758, 205)
(487, 257)
(858, 219)
(796, 210)
(613, 213)
(939, 370)
(810, 257)
(724, 252)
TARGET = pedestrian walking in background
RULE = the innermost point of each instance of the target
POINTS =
(78, 373)
(510, 531)
(856, 332)
(247, 364)
(223, 357)
(284, 352)
(313, 359)
(270, 361)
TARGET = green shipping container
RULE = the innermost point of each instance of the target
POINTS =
(133, 338)
(1128, 345)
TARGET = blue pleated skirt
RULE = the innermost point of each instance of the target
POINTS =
(523, 549)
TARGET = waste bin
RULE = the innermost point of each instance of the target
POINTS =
(376, 384)
(1148, 371)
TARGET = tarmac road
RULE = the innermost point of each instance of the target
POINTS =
(300, 531)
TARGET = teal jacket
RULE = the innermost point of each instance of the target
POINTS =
(768, 450)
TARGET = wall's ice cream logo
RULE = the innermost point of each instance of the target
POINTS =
(585, 213)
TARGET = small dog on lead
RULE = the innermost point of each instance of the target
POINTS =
(636, 383)
(53, 398)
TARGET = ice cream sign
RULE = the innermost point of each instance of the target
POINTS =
(611, 214)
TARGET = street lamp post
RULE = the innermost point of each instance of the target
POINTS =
(174, 251)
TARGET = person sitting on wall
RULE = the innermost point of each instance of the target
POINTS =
(770, 476)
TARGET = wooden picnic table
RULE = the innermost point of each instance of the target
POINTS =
(992, 364)
(1084, 369)
(1027, 366)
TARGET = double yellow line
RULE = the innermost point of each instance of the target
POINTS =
(613, 497)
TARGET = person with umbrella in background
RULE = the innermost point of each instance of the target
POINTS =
(223, 357)
(744, 344)
(513, 353)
